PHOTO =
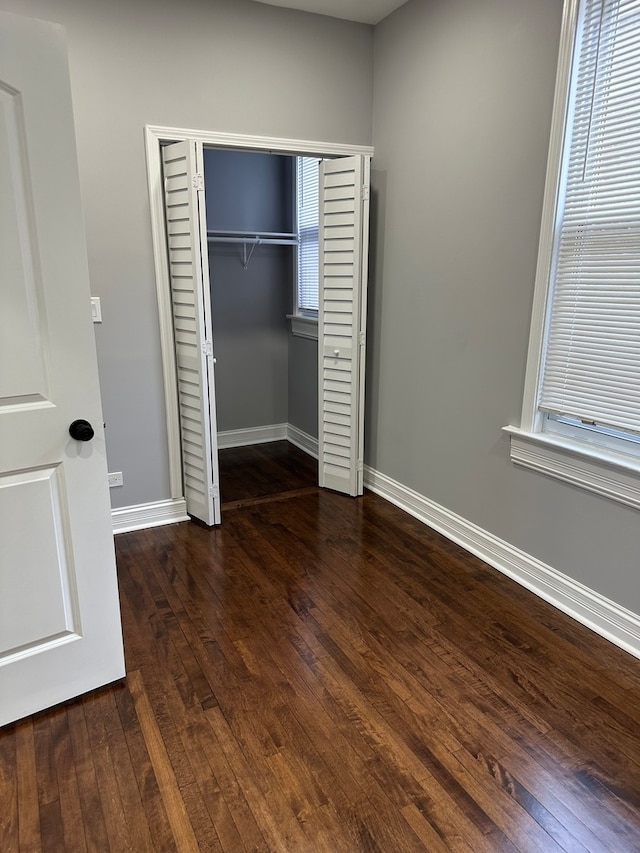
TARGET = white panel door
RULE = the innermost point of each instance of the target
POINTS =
(60, 631)
(343, 239)
(192, 329)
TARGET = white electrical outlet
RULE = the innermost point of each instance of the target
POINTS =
(115, 479)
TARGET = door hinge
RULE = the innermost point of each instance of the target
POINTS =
(207, 348)
(362, 338)
(360, 466)
(365, 192)
(198, 182)
(213, 492)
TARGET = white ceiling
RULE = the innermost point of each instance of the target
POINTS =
(365, 11)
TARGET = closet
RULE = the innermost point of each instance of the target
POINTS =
(251, 243)
(231, 243)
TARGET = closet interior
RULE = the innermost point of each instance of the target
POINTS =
(266, 378)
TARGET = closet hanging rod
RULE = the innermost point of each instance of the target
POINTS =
(253, 235)
(253, 238)
(257, 240)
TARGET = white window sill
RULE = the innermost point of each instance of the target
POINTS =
(304, 327)
(608, 474)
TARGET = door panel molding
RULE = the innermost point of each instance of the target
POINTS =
(43, 608)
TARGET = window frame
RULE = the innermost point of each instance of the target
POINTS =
(564, 453)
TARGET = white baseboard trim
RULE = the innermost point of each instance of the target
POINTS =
(264, 434)
(302, 440)
(154, 514)
(617, 624)
(252, 435)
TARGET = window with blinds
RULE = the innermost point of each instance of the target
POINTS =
(308, 203)
(590, 377)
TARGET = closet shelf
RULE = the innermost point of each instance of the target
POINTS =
(253, 238)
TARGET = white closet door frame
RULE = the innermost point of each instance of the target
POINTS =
(155, 136)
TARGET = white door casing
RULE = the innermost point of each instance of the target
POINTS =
(192, 327)
(156, 138)
(60, 632)
(343, 239)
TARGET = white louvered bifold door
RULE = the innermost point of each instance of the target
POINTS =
(191, 307)
(344, 229)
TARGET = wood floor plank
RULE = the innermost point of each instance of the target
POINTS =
(156, 816)
(425, 831)
(52, 827)
(27, 789)
(100, 744)
(68, 788)
(9, 812)
(198, 785)
(96, 834)
(171, 795)
(47, 777)
(136, 816)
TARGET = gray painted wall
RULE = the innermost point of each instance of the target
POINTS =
(249, 309)
(303, 384)
(462, 109)
(225, 65)
(245, 192)
(248, 190)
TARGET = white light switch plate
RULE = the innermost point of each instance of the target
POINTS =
(96, 310)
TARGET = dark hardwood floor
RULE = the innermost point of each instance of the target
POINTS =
(327, 674)
(263, 471)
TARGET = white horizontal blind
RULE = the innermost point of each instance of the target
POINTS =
(592, 363)
(308, 216)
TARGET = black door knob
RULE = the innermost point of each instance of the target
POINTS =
(81, 430)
